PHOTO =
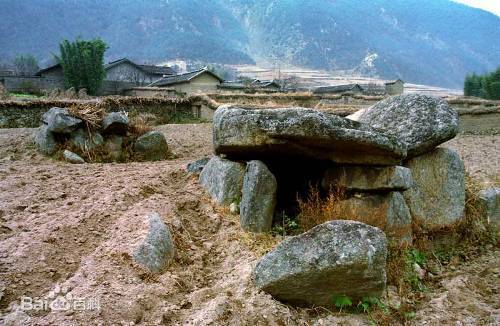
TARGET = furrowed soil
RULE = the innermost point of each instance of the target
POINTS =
(66, 230)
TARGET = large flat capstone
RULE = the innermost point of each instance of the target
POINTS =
(249, 133)
(332, 259)
(422, 122)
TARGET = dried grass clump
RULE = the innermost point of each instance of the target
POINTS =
(315, 210)
(91, 113)
(142, 123)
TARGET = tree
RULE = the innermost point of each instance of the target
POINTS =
(83, 64)
(25, 65)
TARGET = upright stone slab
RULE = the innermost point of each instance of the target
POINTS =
(157, 248)
(152, 146)
(437, 196)
(385, 210)
(332, 259)
(223, 180)
(367, 178)
(490, 199)
(258, 198)
(84, 141)
(247, 133)
(422, 122)
(45, 141)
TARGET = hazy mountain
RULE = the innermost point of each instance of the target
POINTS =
(424, 41)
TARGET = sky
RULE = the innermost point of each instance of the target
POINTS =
(489, 5)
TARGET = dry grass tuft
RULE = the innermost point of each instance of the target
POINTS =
(91, 113)
(315, 210)
(141, 124)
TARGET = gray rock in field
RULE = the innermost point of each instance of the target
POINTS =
(490, 199)
(437, 196)
(223, 180)
(72, 157)
(45, 141)
(115, 123)
(253, 133)
(157, 249)
(332, 259)
(152, 146)
(366, 178)
(388, 211)
(198, 165)
(84, 141)
(258, 198)
(423, 122)
(59, 120)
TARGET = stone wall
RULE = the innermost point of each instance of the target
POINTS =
(38, 85)
(15, 114)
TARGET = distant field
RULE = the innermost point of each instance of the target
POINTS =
(313, 78)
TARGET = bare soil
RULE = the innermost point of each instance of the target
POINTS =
(67, 229)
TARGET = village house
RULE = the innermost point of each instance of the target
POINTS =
(122, 70)
(239, 86)
(372, 89)
(202, 80)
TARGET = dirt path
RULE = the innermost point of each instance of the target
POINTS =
(68, 229)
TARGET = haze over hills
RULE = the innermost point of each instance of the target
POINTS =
(434, 42)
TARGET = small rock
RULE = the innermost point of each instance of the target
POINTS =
(72, 157)
(115, 123)
(364, 178)
(223, 180)
(258, 198)
(332, 259)
(234, 208)
(157, 250)
(152, 146)
(59, 120)
(45, 141)
(419, 271)
(198, 165)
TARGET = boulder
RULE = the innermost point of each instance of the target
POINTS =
(156, 250)
(114, 148)
(152, 146)
(490, 199)
(248, 133)
(437, 196)
(223, 180)
(367, 178)
(388, 211)
(84, 141)
(330, 260)
(422, 122)
(72, 157)
(115, 123)
(45, 141)
(198, 165)
(258, 198)
(59, 120)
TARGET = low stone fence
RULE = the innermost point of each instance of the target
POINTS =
(39, 85)
(15, 114)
